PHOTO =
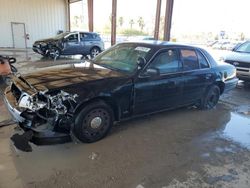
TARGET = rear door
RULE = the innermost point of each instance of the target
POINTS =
(161, 91)
(87, 42)
(197, 75)
(72, 44)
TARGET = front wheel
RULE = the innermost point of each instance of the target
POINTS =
(211, 98)
(94, 52)
(54, 53)
(93, 122)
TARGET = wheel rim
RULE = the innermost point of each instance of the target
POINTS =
(96, 123)
(212, 99)
(94, 52)
(55, 53)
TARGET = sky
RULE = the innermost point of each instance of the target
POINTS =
(189, 16)
(211, 15)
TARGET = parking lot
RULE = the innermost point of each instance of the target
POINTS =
(180, 148)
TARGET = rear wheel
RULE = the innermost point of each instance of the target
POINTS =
(93, 122)
(210, 100)
(94, 52)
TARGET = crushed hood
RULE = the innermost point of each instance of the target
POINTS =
(64, 75)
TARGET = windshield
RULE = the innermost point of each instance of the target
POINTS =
(61, 35)
(122, 57)
(245, 47)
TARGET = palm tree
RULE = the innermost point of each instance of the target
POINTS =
(121, 21)
(131, 23)
(76, 20)
(141, 23)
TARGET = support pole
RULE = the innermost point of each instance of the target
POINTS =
(113, 22)
(91, 15)
(157, 20)
(68, 15)
(168, 19)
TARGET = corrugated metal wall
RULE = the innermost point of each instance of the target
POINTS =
(42, 18)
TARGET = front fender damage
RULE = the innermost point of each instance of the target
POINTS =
(49, 107)
(48, 114)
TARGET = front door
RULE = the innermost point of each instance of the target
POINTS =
(162, 90)
(72, 45)
(18, 34)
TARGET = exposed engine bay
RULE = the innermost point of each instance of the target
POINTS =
(43, 110)
(56, 103)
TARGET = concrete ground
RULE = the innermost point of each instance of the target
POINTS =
(179, 148)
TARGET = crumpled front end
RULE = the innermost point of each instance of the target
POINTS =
(41, 111)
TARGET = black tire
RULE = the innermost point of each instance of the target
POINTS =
(94, 52)
(211, 98)
(93, 122)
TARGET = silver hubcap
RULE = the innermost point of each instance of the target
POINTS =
(95, 52)
(96, 122)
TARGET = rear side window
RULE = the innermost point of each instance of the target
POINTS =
(202, 60)
(189, 59)
(166, 62)
(86, 36)
(96, 36)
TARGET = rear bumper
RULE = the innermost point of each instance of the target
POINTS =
(230, 84)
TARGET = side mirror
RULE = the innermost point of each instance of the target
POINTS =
(151, 72)
(141, 62)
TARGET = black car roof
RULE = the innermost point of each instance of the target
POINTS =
(156, 44)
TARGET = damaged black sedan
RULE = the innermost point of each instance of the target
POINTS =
(129, 79)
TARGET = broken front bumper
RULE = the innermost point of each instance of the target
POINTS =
(10, 103)
(42, 137)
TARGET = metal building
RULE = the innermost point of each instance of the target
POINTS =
(24, 21)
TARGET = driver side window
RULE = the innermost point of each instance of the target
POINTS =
(166, 62)
(72, 38)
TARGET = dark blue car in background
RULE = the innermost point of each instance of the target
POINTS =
(70, 43)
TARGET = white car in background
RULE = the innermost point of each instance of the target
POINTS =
(240, 58)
